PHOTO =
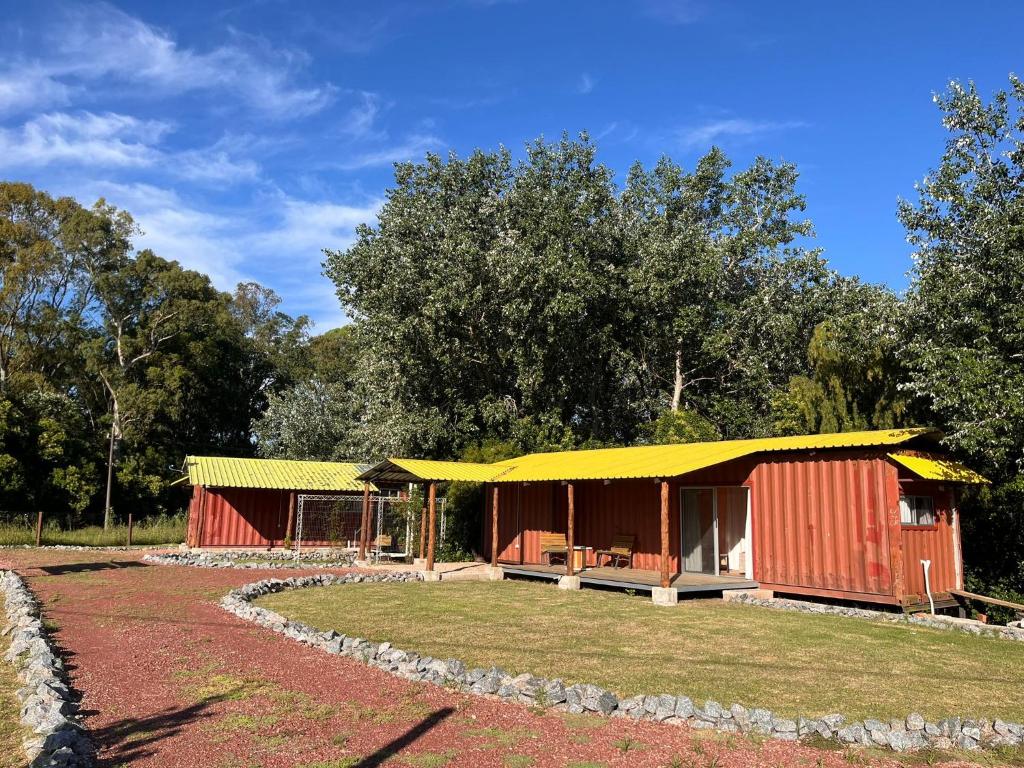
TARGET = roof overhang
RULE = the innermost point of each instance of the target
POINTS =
(931, 467)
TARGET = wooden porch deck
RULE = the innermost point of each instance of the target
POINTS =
(633, 578)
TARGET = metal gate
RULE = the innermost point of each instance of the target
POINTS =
(336, 522)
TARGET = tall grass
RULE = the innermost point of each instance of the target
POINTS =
(158, 530)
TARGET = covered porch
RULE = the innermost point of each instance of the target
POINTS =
(634, 578)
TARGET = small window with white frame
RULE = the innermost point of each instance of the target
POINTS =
(917, 510)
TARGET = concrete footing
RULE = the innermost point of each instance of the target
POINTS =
(496, 573)
(664, 596)
(569, 582)
(431, 575)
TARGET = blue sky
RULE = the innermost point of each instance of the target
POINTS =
(246, 137)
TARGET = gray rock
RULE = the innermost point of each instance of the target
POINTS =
(684, 707)
(666, 707)
(915, 722)
(783, 725)
(900, 741)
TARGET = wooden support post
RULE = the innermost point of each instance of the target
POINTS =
(431, 524)
(39, 529)
(892, 511)
(664, 535)
(129, 529)
(289, 526)
(423, 527)
(570, 553)
(494, 529)
(364, 527)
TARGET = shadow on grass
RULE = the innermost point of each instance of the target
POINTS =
(393, 747)
(58, 570)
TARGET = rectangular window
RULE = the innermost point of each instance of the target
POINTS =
(917, 510)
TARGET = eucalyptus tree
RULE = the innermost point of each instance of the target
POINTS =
(967, 230)
(967, 349)
(723, 296)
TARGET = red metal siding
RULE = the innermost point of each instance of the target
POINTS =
(824, 523)
(194, 512)
(933, 543)
(630, 507)
(244, 517)
(240, 517)
(820, 522)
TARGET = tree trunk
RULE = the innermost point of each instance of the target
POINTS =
(677, 384)
(110, 480)
(115, 436)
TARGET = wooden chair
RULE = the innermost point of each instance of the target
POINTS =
(621, 549)
(553, 544)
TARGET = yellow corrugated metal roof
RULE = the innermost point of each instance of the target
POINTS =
(285, 474)
(648, 461)
(447, 470)
(672, 460)
(937, 468)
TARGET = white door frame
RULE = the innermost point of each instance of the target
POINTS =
(748, 566)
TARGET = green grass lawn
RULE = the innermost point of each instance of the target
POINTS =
(11, 730)
(163, 530)
(792, 663)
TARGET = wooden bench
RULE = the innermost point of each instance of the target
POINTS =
(382, 546)
(553, 544)
(621, 549)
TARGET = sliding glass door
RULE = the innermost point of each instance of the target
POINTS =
(699, 528)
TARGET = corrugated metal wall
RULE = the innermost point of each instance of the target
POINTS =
(244, 517)
(933, 543)
(821, 522)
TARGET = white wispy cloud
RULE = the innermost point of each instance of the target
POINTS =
(287, 242)
(586, 83)
(84, 138)
(27, 86)
(360, 120)
(100, 42)
(115, 141)
(734, 127)
(412, 148)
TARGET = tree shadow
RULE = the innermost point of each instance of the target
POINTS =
(134, 739)
(57, 570)
(393, 747)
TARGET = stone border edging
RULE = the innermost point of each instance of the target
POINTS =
(83, 548)
(48, 707)
(914, 732)
(1009, 632)
(229, 560)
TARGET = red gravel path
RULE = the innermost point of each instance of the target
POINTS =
(170, 679)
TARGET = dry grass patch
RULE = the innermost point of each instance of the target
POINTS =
(793, 663)
(11, 730)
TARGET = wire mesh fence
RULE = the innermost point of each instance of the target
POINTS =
(336, 522)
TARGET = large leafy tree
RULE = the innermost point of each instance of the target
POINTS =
(486, 301)
(856, 369)
(967, 349)
(121, 360)
(723, 298)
